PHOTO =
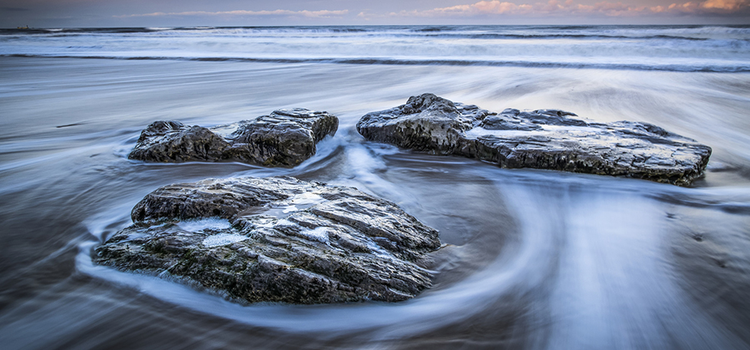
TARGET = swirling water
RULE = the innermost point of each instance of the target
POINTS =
(536, 259)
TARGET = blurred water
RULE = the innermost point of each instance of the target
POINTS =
(670, 48)
(536, 259)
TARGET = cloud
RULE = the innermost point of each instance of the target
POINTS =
(570, 7)
(13, 9)
(303, 13)
(729, 5)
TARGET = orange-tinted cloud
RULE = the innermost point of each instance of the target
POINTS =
(569, 7)
(730, 5)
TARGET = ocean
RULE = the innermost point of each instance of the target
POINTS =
(534, 259)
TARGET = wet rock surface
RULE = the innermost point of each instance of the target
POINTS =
(284, 138)
(276, 239)
(540, 139)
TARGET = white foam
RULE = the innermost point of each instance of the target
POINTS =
(546, 130)
(298, 202)
(307, 198)
(284, 222)
(289, 209)
(264, 222)
(204, 224)
(225, 130)
(319, 234)
(223, 239)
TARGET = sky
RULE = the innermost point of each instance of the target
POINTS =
(170, 13)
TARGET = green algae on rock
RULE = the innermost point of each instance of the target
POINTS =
(276, 239)
(284, 138)
(540, 139)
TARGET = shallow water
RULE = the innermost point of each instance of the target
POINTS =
(536, 259)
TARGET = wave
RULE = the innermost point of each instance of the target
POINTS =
(115, 30)
(436, 62)
(653, 48)
(118, 30)
(697, 32)
(563, 36)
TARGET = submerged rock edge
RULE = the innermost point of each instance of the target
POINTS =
(539, 139)
(333, 244)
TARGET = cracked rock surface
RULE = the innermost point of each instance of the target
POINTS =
(540, 139)
(284, 138)
(275, 239)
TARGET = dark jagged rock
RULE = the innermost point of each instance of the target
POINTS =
(284, 138)
(541, 139)
(276, 239)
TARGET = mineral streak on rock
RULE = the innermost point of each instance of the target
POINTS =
(276, 239)
(284, 138)
(541, 139)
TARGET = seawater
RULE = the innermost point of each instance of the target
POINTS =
(535, 259)
(670, 48)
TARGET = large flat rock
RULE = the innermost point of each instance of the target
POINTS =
(540, 139)
(276, 239)
(284, 138)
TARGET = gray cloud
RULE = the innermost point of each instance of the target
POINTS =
(13, 9)
(63, 13)
(303, 13)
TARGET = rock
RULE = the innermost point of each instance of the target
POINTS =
(276, 239)
(540, 139)
(284, 138)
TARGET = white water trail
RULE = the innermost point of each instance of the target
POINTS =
(599, 253)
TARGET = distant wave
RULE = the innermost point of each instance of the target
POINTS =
(655, 48)
(119, 30)
(439, 62)
(476, 36)
(669, 32)
(727, 35)
(82, 30)
(562, 36)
